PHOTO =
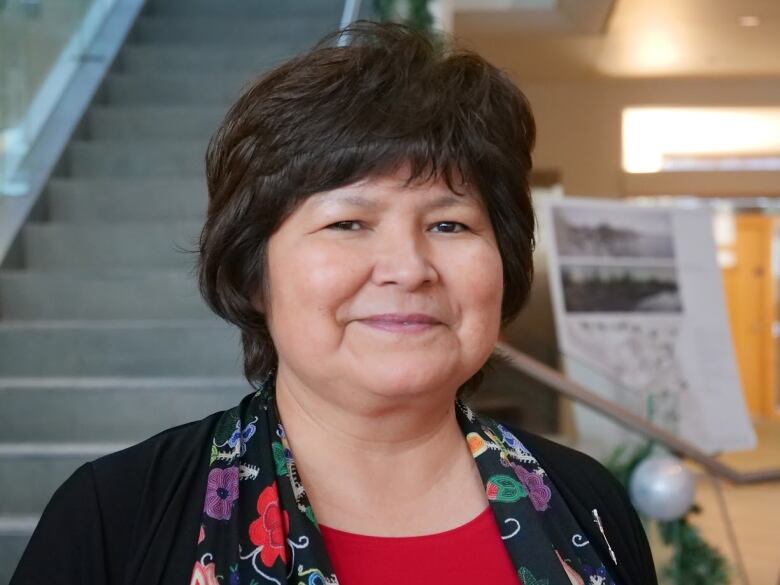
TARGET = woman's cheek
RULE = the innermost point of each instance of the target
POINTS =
(488, 286)
(329, 276)
(483, 270)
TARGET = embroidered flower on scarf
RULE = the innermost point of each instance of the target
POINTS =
(477, 444)
(509, 438)
(597, 576)
(269, 531)
(502, 488)
(221, 492)
(242, 436)
(204, 574)
(538, 493)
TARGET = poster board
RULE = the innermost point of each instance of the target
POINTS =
(640, 317)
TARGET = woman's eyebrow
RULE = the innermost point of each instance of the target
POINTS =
(451, 200)
(446, 200)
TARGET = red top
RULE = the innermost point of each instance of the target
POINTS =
(471, 553)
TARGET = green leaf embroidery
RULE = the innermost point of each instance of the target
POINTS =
(279, 459)
(528, 578)
(503, 488)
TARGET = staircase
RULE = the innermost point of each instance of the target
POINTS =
(104, 339)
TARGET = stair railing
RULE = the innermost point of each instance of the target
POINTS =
(564, 386)
(349, 14)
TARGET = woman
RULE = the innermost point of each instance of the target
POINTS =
(369, 230)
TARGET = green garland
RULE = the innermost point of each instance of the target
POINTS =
(694, 562)
(419, 15)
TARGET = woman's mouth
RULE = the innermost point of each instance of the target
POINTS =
(399, 323)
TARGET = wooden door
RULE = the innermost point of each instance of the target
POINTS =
(749, 287)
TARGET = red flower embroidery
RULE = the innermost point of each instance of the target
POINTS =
(270, 530)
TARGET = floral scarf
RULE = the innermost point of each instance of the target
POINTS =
(259, 528)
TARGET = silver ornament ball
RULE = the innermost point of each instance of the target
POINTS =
(662, 488)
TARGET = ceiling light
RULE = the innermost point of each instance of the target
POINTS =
(654, 137)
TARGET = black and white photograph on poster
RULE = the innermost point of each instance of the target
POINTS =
(620, 289)
(581, 231)
(640, 356)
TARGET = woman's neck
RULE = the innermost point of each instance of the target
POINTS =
(371, 466)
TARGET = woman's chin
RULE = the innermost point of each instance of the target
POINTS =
(407, 380)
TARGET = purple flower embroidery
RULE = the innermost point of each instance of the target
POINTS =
(538, 493)
(221, 492)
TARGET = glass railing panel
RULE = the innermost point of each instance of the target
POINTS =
(41, 43)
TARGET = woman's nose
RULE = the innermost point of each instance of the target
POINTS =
(405, 260)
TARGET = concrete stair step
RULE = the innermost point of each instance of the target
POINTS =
(126, 294)
(228, 31)
(15, 532)
(249, 60)
(112, 200)
(53, 410)
(164, 123)
(137, 348)
(142, 245)
(177, 89)
(245, 8)
(44, 466)
(137, 158)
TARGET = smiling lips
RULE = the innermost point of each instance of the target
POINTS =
(404, 323)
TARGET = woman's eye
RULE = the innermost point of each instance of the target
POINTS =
(452, 227)
(346, 225)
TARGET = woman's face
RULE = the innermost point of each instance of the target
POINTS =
(376, 287)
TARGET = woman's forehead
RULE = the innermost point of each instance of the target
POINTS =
(372, 192)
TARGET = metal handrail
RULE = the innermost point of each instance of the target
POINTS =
(566, 387)
(348, 15)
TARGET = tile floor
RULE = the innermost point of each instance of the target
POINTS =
(754, 510)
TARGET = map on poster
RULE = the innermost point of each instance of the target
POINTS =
(640, 316)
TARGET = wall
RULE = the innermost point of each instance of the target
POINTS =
(579, 132)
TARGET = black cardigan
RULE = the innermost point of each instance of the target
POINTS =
(132, 517)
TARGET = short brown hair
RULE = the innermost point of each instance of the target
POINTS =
(338, 114)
